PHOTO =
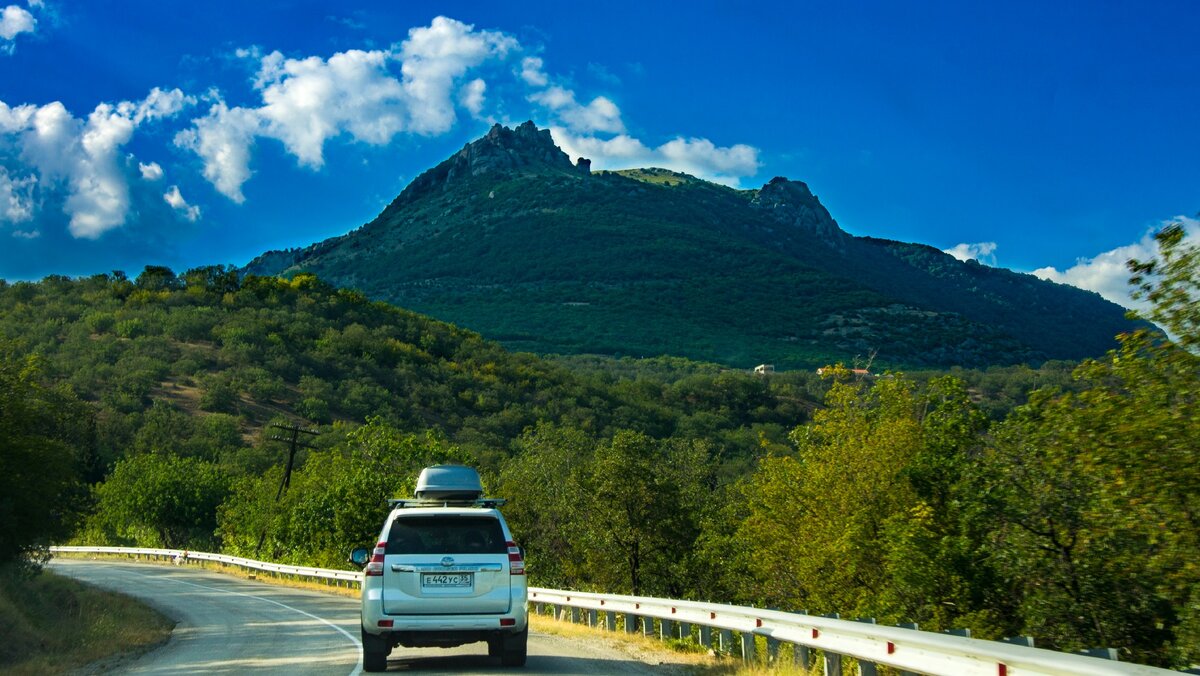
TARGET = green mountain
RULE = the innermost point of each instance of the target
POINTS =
(510, 239)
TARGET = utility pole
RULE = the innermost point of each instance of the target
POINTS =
(293, 444)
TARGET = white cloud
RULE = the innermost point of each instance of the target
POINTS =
(308, 101)
(27, 234)
(471, 96)
(695, 156)
(151, 171)
(16, 197)
(15, 119)
(84, 154)
(701, 157)
(433, 58)
(223, 140)
(532, 73)
(600, 115)
(158, 104)
(984, 252)
(174, 198)
(15, 20)
(1107, 273)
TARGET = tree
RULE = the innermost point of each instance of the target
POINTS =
(935, 564)
(1094, 495)
(44, 446)
(642, 511)
(1171, 283)
(816, 519)
(160, 500)
(542, 485)
(157, 278)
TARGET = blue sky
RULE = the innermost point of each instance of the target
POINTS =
(1036, 136)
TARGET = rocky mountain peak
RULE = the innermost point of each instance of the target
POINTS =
(791, 202)
(522, 149)
(504, 148)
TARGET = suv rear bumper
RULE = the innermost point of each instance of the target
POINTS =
(514, 621)
(443, 639)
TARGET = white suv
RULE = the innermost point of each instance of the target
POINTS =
(445, 572)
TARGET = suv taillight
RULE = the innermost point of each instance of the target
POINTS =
(516, 563)
(375, 565)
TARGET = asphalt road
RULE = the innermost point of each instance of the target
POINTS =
(230, 625)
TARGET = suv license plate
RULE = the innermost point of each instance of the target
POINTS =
(444, 580)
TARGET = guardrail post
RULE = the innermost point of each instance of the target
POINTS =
(706, 636)
(1026, 641)
(965, 633)
(748, 646)
(647, 626)
(866, 668)
(574, 616)
(630, 623)
(593, 617)
(666, 629)
(725, 641)
(772, 650)
(915, 627)
(833, 661)
(802, 656)
(1102, 653)
(685, 631)
(833, 664)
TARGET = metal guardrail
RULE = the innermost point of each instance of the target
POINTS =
(909, 650)
(280, 569)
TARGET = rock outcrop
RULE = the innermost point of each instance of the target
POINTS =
(523, 149)
(792, 203)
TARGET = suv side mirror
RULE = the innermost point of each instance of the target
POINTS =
(360, 556)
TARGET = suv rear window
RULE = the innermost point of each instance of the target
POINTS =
(446, 535)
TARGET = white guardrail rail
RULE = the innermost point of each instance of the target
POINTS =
(909, 650)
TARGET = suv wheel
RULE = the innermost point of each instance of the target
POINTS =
(514, 651)
(375, 651)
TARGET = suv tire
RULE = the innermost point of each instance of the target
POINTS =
(375, 651)
(515, 649)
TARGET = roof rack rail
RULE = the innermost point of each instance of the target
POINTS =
(446, 502)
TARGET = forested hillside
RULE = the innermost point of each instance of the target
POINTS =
(1011, 501)
(197, 364)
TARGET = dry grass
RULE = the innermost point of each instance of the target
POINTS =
(52, 624)
(687, 656)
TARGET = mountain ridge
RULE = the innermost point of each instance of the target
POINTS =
(508, 237)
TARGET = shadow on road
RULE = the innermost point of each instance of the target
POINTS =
(537, 664)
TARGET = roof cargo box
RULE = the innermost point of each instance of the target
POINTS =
(448, 482)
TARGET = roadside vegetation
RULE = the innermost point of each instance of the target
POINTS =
(53, 624)
(1053, 502)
